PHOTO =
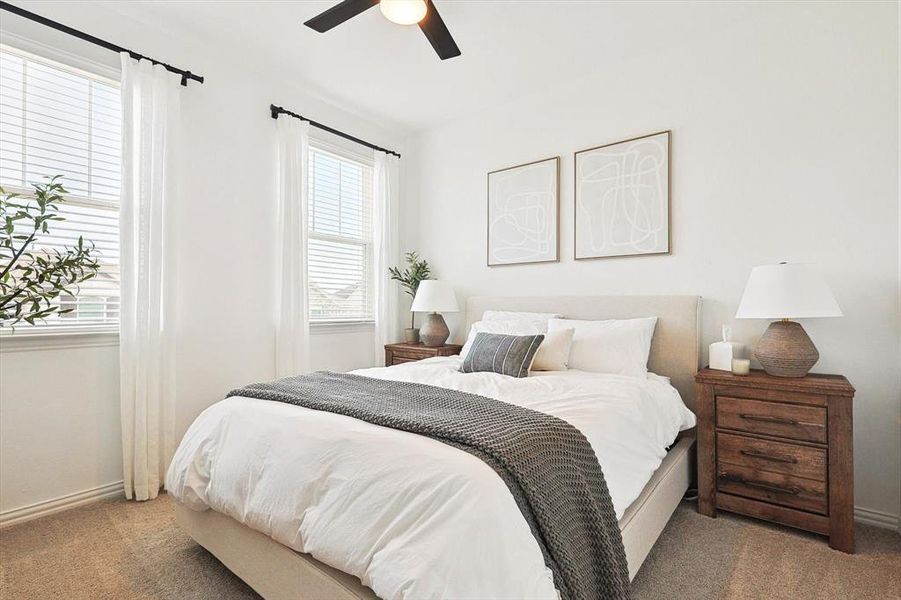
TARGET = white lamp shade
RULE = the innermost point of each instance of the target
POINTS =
(435, 296)
(787, 291)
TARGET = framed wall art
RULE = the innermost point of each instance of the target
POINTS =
(524, 213)
(622, 199)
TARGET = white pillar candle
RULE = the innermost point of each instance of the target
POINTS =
(722, 353)
(741, 366)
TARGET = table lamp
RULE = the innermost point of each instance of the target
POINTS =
(434, 296)
(786, 291)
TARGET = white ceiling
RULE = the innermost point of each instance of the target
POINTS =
(510, 48)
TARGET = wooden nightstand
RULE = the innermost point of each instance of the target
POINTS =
(396, 354)
(778, 449)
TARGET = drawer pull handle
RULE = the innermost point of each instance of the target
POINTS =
(764, 456)
(771, 488)
(768, 419)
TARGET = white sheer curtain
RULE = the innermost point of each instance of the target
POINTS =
(385, 250)
(150, 117)
(292, 334)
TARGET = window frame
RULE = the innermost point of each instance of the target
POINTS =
(319, 143)
(27, 337)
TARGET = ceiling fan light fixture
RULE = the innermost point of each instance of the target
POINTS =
(404, 12)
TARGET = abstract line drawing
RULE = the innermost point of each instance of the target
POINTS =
(622, 198)
(523, 213)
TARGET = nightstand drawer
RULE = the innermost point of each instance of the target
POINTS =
(776, 457)
(396, 354)
(772, 418)
(398, 360)
(778, 488)
(408, 355)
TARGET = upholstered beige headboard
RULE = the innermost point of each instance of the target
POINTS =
(675, 351)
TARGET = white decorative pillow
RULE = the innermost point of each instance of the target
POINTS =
(553, 353)
(538, 319)
(618, 346)
(506, 327)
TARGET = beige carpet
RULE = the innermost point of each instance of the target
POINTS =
(126, 550)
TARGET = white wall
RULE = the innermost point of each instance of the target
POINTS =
(226, 228)
(59, 433)
(784, 147)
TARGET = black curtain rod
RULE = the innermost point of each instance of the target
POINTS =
(275, 111)
(185, 75)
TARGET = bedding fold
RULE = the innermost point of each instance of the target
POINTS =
(547, 464)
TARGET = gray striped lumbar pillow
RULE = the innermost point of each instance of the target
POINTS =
(505, 354)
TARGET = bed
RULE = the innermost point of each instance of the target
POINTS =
(276, 571)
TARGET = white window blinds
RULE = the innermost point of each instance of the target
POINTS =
(57, 120)
(339, 260)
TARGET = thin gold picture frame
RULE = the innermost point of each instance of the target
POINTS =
(669, 197)
(556, 212)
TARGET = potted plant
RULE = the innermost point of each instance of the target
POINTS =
(32, 279)
(417, 270)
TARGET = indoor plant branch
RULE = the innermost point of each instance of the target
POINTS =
(417, 270)
(33, 278)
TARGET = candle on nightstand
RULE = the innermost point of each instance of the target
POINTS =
(722, 353)
(741, 366)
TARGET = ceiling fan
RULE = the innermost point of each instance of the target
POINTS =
(402, 12)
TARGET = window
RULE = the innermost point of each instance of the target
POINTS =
(339, 260)
(58, 120)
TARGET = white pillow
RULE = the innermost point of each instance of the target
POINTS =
(507, 327)
(538, 319)
(618, 346)
(553, 353)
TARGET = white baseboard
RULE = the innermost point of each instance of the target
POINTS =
(48, 507)
(877, 519)
(111, 490)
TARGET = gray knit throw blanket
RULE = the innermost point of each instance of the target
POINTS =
(547, 463)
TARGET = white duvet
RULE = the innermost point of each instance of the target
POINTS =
(408, 515)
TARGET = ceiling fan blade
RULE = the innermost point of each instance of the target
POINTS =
(436, 31)
(339, 13)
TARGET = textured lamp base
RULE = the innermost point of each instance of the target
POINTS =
(785, 350)
(434, 332)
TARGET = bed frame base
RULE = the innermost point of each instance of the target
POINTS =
(278, 573)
